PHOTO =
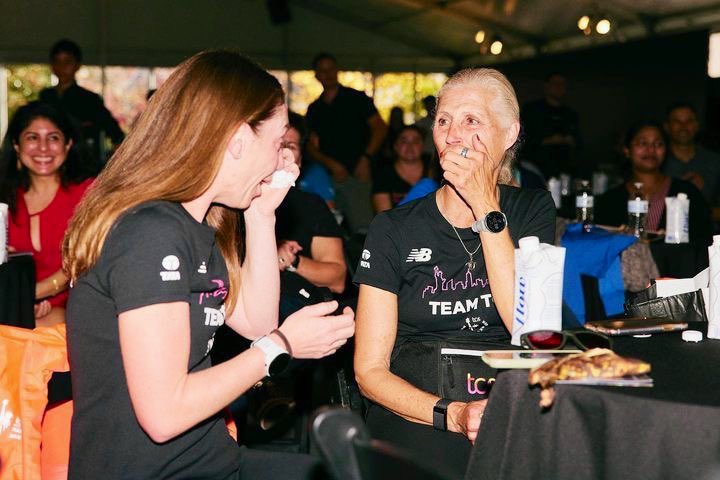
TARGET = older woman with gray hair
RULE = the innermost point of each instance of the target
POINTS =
(437, 277)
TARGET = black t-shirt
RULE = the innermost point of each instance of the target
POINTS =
(342, 125)
(541, 120)
(412, 251)
(387, 180)
(156, 254)
(301, 217)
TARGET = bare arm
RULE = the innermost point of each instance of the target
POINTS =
(375, 335)
(256, 312)
(327, 266)
(336, 169)
(499, 254)
(155, 348)
(47, 288)
(378, 131)
(381, 202)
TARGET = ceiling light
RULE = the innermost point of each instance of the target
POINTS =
(583, 22)
(480, 36)
(496, 47)
(603, 26)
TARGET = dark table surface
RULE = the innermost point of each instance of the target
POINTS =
(17, 291)
(671, 430)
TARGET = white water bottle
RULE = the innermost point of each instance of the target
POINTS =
(637, 208)
(3, 232)
(714, 284)
(538, 287)
(584, 203)
(555, 188)
(677, 219)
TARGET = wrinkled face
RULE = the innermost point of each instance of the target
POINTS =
(682, 126)
(64, 66)
(291, 141)
(465, 113)
(42, 148)
(326, 72)
(647, 150)
(250, 159)
(409, 145)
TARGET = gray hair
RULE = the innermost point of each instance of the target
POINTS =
(504, 105)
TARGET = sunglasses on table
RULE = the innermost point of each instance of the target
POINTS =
(552, 340)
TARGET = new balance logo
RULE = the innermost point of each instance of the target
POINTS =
(419, 255)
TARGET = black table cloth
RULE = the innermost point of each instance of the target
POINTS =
(671, 430)
(17, 291)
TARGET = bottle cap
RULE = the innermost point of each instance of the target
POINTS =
(682, 196)
(529, 243)
(692, 336)
(716, 239)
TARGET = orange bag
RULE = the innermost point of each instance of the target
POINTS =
(27, 360)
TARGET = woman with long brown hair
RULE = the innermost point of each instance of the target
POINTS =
(154, 256)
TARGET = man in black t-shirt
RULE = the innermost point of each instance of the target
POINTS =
(551, 130)
(346, 132)
(83, 106)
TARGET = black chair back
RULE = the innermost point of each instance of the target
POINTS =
(350, 453)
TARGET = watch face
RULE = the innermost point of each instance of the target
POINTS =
(279, 364)
(495, 221)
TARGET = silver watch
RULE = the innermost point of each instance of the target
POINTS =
(493, 222)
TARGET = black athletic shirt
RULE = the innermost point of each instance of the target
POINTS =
(413, 252)
(156, 254)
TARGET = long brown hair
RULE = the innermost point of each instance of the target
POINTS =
(174, 153)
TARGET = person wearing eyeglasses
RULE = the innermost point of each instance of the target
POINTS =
(645, 147)
(441, 268)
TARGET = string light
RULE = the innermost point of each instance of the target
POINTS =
(480, 36)
(583, 22)
(496, 47)
(603, 26)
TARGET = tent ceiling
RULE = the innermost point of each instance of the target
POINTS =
(379, 35)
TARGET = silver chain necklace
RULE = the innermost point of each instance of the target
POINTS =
(470, 263)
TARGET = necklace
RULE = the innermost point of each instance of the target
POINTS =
(470, 263)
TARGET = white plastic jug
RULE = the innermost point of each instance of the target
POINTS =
(714, 284)
(538, 287)
(677, 219)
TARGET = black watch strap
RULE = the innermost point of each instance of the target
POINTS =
(440, 414)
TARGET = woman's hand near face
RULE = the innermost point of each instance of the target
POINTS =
(474, 177)
(270, 198)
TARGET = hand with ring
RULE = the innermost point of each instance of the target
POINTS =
(472, 173)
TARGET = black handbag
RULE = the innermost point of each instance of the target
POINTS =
(683, 307)
(449, 368)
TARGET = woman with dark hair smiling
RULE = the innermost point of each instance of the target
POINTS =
(42, 182)
(644, 146)
(394, 180)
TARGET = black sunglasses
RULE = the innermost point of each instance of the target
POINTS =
(552, 340)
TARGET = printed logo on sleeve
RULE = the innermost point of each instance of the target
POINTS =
(365, 257)
(419, 255)
(171, 263)
(202, 268)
